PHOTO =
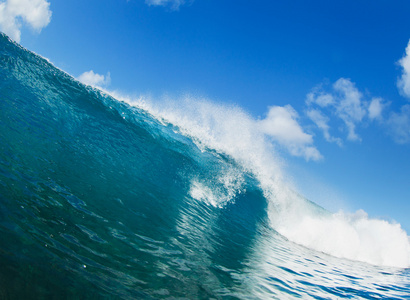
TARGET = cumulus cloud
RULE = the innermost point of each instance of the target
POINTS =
(376, 108)
(14, 13)
(399, 124)
(281, 124)
(404, 81)
(174, 4)
(95, 79)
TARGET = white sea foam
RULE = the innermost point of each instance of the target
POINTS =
(220, 190)
(352, 236)
(230, 130)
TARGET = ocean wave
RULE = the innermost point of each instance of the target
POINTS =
(153, 199)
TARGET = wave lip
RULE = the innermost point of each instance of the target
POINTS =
(231, 131)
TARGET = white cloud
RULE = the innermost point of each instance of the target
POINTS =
(321, 122)
(281, 124)
(350, 107)
(376, 108)
(399, 124)
(345, 102)
(175, 4)
(35, 13)
(95, 79)
(319, 97)
(404, 81)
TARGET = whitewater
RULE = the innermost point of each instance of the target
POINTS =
(104, 196)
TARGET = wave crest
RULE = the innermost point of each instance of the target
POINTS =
(230, 130)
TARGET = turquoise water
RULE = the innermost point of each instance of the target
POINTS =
(100, 199)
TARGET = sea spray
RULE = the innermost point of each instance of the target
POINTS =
(230, 130)
(352, 236)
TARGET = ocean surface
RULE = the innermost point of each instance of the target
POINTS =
(105, 197)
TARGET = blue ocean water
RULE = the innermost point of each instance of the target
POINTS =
(104, 199)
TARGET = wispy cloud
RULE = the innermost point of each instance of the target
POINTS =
(14, 13)
(95, 79)
(319, 97)
(174, 4)
(404, 81)
(321, 122)
(281, 124)
(350, 107)
(344, 102)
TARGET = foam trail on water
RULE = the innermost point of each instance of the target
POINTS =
(230, 130)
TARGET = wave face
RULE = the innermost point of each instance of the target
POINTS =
(103, 199)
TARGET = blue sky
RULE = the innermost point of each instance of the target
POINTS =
(334, 76)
